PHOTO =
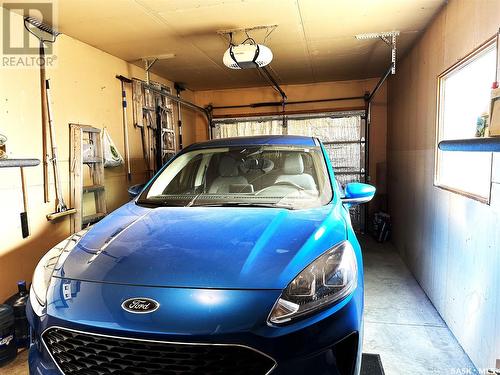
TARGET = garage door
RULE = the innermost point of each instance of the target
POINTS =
(342, 133)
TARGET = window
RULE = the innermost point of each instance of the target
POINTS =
(290, 177)
(464, 97)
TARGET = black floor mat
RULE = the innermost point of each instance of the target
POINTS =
(371, 365)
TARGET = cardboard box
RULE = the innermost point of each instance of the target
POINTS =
(495, 113)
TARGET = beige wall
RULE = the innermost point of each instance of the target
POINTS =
(309, 92)
(450, 242)
(84, 90)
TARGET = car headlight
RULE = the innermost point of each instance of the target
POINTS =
(329, 278)
(51, 261)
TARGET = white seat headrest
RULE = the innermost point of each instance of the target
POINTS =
(293, 164)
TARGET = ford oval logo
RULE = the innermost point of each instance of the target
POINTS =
(140, 305)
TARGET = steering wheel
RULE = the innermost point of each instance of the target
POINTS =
(283, 182)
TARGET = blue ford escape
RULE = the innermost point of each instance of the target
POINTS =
(238, 257)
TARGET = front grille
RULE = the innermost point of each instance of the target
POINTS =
(91, 354)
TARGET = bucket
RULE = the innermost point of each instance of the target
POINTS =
(8, 348)
(18, 303)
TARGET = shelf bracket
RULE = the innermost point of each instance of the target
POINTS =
(389, 38)
(148, 64)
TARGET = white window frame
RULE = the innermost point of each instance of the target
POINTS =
(478, 52)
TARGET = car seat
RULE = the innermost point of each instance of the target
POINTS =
(293, 169)
(228, 175)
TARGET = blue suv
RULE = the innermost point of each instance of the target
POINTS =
(238, 257)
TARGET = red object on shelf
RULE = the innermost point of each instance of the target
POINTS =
(495, 85)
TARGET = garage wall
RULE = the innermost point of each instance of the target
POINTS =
(308, 92)
(84, 90)
(450, 242)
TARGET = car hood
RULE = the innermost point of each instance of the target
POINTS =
(204, 247)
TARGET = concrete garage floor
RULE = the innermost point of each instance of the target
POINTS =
(18, 367)
(401, 324)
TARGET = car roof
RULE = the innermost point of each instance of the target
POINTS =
(284, 140)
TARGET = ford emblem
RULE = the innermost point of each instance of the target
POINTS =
(140, 305)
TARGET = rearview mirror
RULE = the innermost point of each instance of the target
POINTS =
(357, 193)
(135, 190)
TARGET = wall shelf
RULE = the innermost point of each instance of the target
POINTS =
(472, 145)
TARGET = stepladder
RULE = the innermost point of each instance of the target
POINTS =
(166, 141)
(87, 191)
(153, 114)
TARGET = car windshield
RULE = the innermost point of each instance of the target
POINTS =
(290, 177)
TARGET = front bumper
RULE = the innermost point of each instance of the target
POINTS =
(325, 343)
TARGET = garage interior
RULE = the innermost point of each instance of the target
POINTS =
(366, 77)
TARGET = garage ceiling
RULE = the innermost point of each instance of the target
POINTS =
(314, 40)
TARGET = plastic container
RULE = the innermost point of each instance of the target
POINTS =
(8, 348)
(18, 303)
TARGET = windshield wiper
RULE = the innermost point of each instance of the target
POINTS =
(159, 201)
(191, 202)
(245, 204)
(164, 203)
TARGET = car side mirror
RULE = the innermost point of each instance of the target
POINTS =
(135, 190)
(357, 193)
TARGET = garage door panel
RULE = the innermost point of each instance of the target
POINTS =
(342, 133)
